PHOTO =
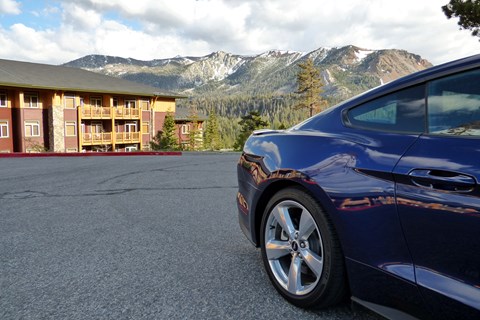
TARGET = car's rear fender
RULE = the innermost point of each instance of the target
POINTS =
(275, 161)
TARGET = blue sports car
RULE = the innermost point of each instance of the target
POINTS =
(376, 199)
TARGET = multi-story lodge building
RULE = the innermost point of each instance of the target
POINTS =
(62, 109)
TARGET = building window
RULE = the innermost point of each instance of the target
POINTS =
(30, 100)
(4, 129)
(32, 129)
(145, 127)
(115, 102)
(131, 127)
(70, 128)
(185, 128)
(96, 101)
(3, 99)
(130, 104)
(70, 101)
(144, 104)
(96, 127)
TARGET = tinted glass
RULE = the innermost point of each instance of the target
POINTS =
(454, 105)
(402, 111)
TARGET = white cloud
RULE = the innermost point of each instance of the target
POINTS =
(79, 18)
(9, 7)
(149, 29)
(29, 44)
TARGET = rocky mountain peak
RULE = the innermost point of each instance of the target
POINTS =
(345, 70)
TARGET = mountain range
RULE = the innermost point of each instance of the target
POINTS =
(345, 71)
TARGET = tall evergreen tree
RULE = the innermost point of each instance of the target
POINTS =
(212, 135)
(310, 86)
(468, 12)
(169, 140)
(167, 137)
(249, 123)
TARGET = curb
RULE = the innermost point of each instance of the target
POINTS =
(88, 154)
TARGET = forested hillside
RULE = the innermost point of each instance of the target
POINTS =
(276, 109)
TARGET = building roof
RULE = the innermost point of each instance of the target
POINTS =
(44, 76)
(184, 114)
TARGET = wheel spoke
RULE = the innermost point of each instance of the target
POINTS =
(307, 226)
(283, 217)
(293, 245)
(276, 249)
(313, 261)
(294, 275)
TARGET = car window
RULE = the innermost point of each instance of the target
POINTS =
(454, 105)
(402, 111)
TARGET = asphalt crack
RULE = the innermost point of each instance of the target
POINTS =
(28, 194)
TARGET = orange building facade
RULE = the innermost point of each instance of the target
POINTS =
(56, 121)
(61, 109)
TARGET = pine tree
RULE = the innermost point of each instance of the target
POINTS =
(166, 138)
(212, 137)
(310, 86)
(169, 140)
(249, 123)
(468, 12)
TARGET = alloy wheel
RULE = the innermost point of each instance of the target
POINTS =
(294, 247)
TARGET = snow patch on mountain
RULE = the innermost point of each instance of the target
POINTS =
(362, 54)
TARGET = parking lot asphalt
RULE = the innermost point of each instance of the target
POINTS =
(137, 237)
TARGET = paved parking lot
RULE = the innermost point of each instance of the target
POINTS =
(136, 237)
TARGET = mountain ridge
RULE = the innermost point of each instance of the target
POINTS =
(345, 70)
(232, 85)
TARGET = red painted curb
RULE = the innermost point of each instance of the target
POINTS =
(89, 154)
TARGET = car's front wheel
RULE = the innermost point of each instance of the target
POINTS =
(301, 251)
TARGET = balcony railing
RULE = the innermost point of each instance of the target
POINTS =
(127, 113)
(91, 112)
(96, 112)
(127, 137)
(106, 138)
(96, 138)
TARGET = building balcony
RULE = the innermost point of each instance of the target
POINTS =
(126, 113)
(127, 137)
(89, 112)
(90, 139)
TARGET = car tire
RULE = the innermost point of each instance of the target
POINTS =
(301, 251)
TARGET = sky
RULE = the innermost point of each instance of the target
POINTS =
(59, 31)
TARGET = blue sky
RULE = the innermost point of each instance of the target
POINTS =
(58, 31)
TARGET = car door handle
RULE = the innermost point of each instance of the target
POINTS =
(442, 180)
